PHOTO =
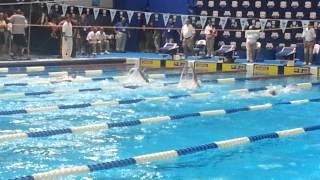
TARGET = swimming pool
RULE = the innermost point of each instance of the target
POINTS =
(294, 157)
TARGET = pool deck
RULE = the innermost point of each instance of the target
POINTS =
(151, 60)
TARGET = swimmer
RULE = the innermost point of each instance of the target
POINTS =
(138, 72)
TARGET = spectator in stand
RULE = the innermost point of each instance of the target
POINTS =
(122, 34)
(83, 34)
(187, 35)
(157, 39)
(170, 32)
(19, 23)
(149, 45)
(76, 37)
(102, 42)
(211, 34)
(67, 39)
(92, 42)
(3, 27)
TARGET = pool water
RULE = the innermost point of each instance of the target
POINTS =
(289, 158)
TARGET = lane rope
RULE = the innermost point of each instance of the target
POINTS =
(167, 155)
(86, 80)
(98, 127)
(29, 110)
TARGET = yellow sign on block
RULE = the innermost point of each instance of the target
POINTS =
(233, 67)
(175, 64)
(206, 66)
(296, 70)
(266, 70)
(150, 63)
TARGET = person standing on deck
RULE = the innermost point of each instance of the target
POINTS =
(211, 34)
(121, 35)
(67, 39)
(187, 35)
(309, 39)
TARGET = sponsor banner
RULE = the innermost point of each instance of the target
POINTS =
(175, 64)
(296, 70)
(206, 66)
(266, 70)
(233, 67)
(150, 63)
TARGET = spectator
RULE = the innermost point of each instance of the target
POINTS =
(67, 40)
(211, 34)
(121, 35)
(3, 26)
(92, 41)
(170, 32)
(157, 39)
(187, 35)
(19, 23)
(149, 44)
(103, 44)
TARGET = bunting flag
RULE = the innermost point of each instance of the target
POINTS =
(147, 16)
(305, 24)
(243, 23)
(130, 15)
(80, 9)
(49, 6)
(96, 12)
(165, 18)
(223, 22)
(263, 23)
(64, 9)
(283, 24)
(113, 13)
(203, 20)
(184, 18)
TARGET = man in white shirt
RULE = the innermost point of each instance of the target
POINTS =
(19, 24)
(92, 41)
(309, 38)
(251, 43)
(187, 34)
(67, 39)
(211, 34)
(102, 43)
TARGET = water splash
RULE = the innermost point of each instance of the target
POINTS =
(136, 76)
(188, 78)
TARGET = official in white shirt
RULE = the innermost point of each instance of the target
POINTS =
(92, 40)
(211, 34)
(309, 38)
(187, 35)
(251, 43)
(67, 39)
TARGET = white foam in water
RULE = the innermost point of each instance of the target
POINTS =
(188, 79)
(136, 77)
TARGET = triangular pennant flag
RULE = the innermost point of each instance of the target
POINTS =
(184, 18)
(49, 5)
(165, 18)
(283, 24)
(130, 15)
(96, 12)
(147, 16)
(203, 20)
(80, 9)
(263, 23)
(305, 23)
(64, 9)
(243, 23)
(113, 13)
(223, 22)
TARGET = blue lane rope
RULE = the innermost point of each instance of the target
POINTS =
(64, 91)
(166, 155)
(114, 102)
(218, 81)
(97, 127)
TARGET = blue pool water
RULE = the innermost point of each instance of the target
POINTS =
(295, 157)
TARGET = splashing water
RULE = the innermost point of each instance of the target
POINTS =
(136, 76)
(188, 78)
